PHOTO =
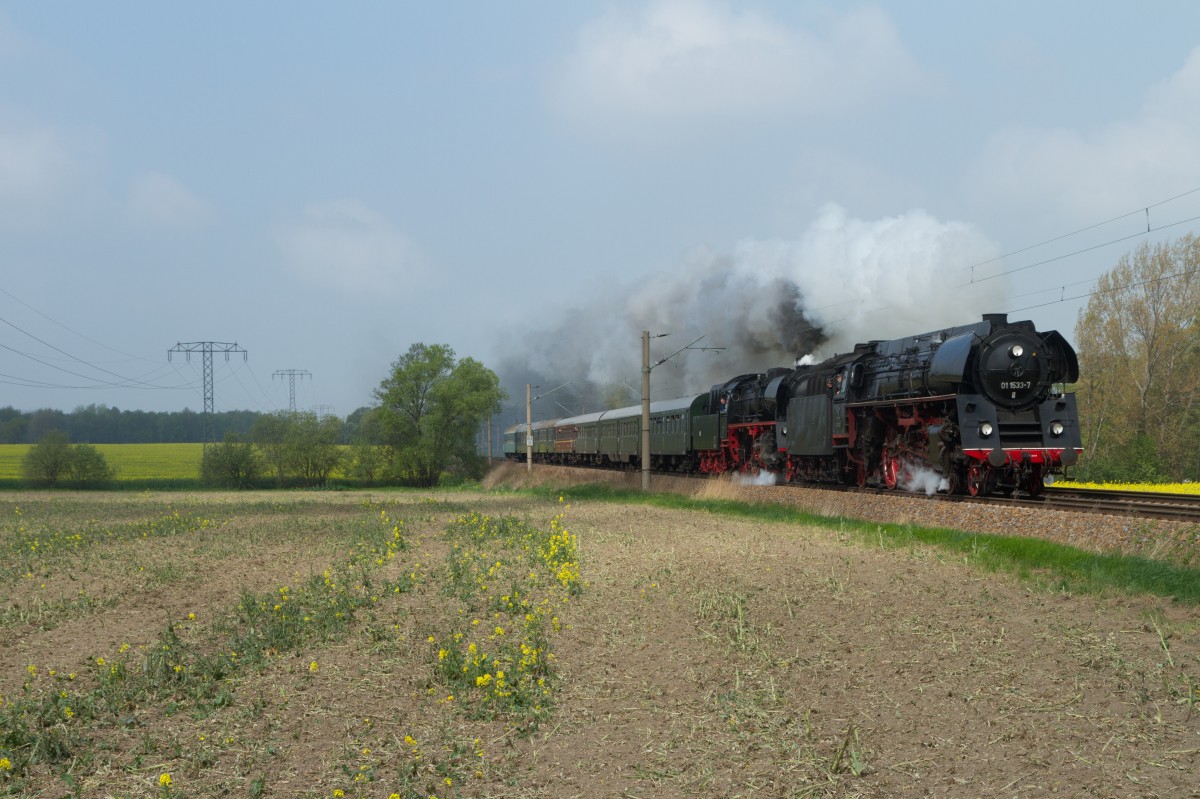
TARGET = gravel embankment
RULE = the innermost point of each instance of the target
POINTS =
(1096, 532)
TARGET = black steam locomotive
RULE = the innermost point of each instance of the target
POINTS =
(975, 409)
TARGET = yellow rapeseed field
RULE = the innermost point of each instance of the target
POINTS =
(132, 461)
(1154, 488)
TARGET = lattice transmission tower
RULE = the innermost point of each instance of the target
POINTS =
(207, 348)
(291, 375)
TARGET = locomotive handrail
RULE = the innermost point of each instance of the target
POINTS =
(900, 401)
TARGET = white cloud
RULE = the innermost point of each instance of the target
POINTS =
(35, 167)
(161, 200)
(347, 246)
(688, 61)
(1176, 97)
(1086, 174)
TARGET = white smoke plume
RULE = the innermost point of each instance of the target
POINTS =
(760, 479)
(767, 303)
(922, 480)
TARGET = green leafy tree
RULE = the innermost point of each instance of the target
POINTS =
(1135, 461)
(232, 464)
(1139, 352)
(429, 410)
(12, 425)
(360, 425)
(367, 458)
(365, 462)
(54, 461)
(311, 446)
(88, 468)
(270, 434)
(48, 461)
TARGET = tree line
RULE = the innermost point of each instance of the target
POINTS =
(423, 426)
(1138, 341)
(101, 424)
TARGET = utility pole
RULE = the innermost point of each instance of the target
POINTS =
(646, 410)
(528, 428)
(646, 368)
(322, 410)
(207, 348)
(529, 399)
(291, 375)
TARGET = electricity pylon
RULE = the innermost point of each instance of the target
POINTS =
(207, 348)
(291, 375)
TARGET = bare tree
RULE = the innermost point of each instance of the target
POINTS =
(1139, 344)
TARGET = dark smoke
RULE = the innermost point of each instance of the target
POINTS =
(800, 334)
(768, 303)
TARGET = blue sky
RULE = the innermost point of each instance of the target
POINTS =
(534, 183)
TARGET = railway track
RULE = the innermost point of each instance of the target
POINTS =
(1179, 507)
(1142, 504)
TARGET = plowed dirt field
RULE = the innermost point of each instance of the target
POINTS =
(704, 656)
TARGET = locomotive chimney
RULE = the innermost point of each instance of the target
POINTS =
(997, 319)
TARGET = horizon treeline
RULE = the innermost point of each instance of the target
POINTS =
(101, 424)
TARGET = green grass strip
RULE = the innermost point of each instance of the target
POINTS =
(1058, 566)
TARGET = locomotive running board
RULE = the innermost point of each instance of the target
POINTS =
(900, 401)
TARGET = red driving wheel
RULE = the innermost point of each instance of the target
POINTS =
(891, 470)
(975, 477)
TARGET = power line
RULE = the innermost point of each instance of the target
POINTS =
(1139, 234)
(126, 382)
(271, 401)
(1145, 209)
(975, 282)
(234, 374)
(52, 320)
(1139, 284)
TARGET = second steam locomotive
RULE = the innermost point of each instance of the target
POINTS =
(975, 409)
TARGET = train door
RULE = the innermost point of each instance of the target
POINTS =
(837, 385)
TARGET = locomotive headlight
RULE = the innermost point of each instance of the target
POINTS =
(985, 429)
(1056, 429)
(1017, 351)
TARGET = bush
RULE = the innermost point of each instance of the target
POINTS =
(47, 461)
(231, 464)
(366, 463)
(1134, 462)
(87, 467)
(54, 461)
